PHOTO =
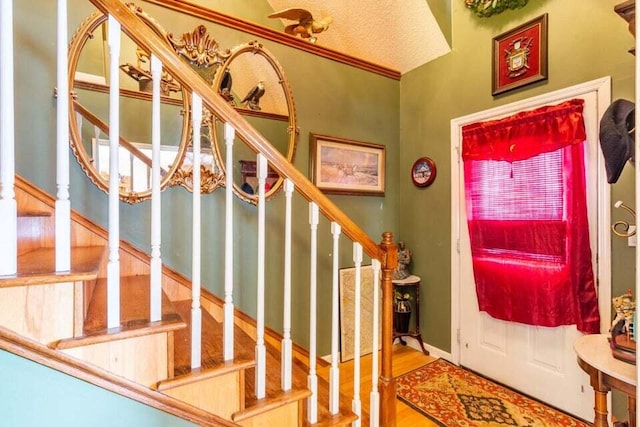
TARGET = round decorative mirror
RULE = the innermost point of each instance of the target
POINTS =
(89, 83)
(252, 81)
(248, 77)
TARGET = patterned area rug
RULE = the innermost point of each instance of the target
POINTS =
(452, 396)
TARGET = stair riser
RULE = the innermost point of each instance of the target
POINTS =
(43, 313)
(35, 232)
(221, 395)
(141, 359)
(288, 415)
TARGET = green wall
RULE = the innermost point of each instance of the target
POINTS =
(34, 395)
(586, 41)
(441, 10)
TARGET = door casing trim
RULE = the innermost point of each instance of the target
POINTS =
(602, 88)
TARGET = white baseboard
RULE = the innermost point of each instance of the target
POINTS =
(433, 351)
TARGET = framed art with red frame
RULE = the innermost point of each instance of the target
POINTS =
(520, 56)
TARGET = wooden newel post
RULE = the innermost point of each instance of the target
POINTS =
(387, 384)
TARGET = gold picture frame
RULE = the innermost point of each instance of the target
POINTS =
(343, 166)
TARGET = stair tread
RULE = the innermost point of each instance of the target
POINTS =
(134, 314)
(271, 402)
(340, 419)
(33, 213)
(212, 342)
(37, 267)
(200, 374)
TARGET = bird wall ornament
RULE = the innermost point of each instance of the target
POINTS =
(252, 100)
(306, 26)
(225, 87)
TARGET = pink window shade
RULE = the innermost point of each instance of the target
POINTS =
(527, 218)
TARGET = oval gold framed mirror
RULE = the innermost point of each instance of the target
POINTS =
(89, 84)
(252, 80)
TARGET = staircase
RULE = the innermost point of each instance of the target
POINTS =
(95, 320)
(61, 318)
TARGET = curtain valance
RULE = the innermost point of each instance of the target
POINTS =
(525, 134)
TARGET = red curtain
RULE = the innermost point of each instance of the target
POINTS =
(527, 217)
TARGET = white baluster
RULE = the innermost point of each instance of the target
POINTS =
(63, 204)
(261, 361)
(156, 214)
(287, 347)
(79, 118)
(113, 266)
(229, 135)
(95, 144)
(8, 205)
(132, 177)
(312, 380)
(334, 372)
(196, 311)
(356, 405)
(374, 396)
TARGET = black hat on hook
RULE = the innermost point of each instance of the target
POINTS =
(617, 137)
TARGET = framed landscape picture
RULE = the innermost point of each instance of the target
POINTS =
(342, 166)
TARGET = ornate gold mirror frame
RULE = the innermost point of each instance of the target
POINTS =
(250, 67)
(202, 52)
(273, 115)
(83, 117)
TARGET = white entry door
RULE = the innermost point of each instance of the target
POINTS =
(537, 361)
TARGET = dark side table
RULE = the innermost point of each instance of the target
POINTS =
(411, 283)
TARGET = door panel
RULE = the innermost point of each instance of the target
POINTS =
(541, 341)
(537, 361)
(492, 335)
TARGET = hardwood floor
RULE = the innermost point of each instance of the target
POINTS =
(405, 359)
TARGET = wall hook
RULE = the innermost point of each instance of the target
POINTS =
(624, 225)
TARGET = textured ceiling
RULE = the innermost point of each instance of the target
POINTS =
(400, 35)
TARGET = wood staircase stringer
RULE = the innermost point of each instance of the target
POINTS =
(41, 354)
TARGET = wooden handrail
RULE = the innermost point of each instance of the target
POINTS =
(149, 41)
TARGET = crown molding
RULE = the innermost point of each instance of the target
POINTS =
(273, 35)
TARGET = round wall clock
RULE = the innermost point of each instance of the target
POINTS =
(423, 172)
